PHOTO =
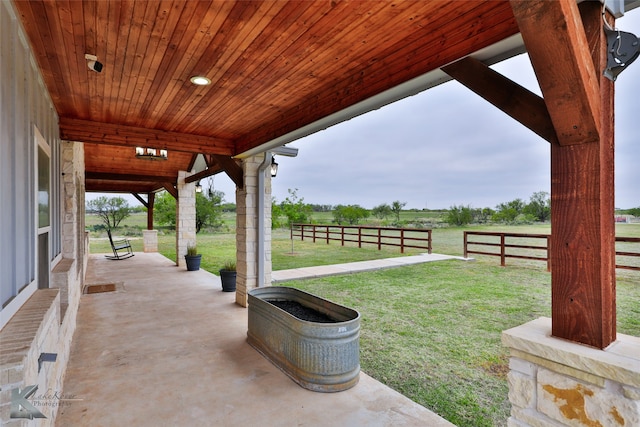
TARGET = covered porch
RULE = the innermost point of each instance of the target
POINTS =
(168, 347)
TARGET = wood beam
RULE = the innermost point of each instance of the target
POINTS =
(555, 39)
(582, 164)
(151, 197)
(231, 168)
(129, 177)
(224, 163)
(170, 189)
(131, 136)
(516, 101)
(141, 200)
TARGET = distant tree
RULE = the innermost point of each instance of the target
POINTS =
(164, 209)
(483, 215)
(351, 214)
(633, 211)
(459, 215)
(111, 210)
(396, 208)
(209, 210)
(539, 206)
(508, 212)
(381, 211)
(293, 208)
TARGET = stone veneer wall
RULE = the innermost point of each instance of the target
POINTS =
(150, 240)
(47, 321)
(185, 217)
(554, 382)
(247, 229)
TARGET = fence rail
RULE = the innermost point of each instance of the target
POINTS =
(415, 238)
(526, 242)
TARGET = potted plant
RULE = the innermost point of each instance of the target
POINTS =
(228, 276)
(192, 258)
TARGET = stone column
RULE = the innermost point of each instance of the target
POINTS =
(185, 217)
(555, 382)
(150, 240)
(247, 230)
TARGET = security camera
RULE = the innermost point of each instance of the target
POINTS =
(92, 63)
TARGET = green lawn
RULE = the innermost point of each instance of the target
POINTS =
(430, 331)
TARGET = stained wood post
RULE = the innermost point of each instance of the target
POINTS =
(151, 200)
(567, 47)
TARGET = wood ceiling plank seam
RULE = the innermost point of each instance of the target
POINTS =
(308, 113)
(26, 12)
(189, 106)
(135, 37)
(354, 78)
(224, 41)
(117, 31)
(43, 18)
(97, 15)
(300, 50)
(231, 95)
(181, 37)
(69, 50)
(392, 51)
(391, 60)
(164, 82)
(197, 52)
(298, 17)
(78, 29)
(400, 17)
(157, 46)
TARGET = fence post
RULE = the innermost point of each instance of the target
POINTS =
(429, 241)
(342, 234)
(301, 232)
(313, 227)
(402, 240)
(327, 234)
(465, 244)
(379, 238)
(359, 237)
(548, 253)
(502, 250)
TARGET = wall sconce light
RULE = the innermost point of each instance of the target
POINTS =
(622, 49)
(274, 167)
(198, 187)
(92, 62)
(151, 153)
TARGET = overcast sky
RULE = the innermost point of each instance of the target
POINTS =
(447, 146)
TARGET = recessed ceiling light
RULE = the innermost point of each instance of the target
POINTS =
(200, 80)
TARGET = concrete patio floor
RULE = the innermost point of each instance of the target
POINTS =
(168, 348)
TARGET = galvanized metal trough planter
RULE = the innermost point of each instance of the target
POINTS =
(322, 357)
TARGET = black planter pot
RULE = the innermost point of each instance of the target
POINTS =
(193, 262)
(228, 278)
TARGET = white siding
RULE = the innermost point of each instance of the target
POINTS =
(24, 104)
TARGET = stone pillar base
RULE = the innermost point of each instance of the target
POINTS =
(554, 382)
(150, 240)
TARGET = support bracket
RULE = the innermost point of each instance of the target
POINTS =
(622, 49)
(46, 357)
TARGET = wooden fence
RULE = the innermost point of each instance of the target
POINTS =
(534, 247)
(416, 238)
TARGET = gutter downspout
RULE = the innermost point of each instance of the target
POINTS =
(261, 220)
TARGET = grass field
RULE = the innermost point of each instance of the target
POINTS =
(430, 331)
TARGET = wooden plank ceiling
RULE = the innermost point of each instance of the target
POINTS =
(275, 66)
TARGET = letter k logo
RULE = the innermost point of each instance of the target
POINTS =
(19, 399)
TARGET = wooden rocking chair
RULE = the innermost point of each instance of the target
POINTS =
(119, 245)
